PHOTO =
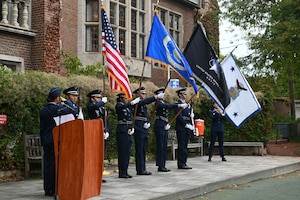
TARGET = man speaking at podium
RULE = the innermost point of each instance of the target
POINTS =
(52, 109)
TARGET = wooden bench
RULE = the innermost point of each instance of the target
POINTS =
(259, 145)
(172, 142)
(33, 152)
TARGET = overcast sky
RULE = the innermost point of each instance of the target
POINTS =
(230, 37)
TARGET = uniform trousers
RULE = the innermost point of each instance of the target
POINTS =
(183, 137)
(161, 145)
(124, 143)
(141, 143)
(49, 168)
(213, 137)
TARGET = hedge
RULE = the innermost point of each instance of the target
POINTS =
(24, 94)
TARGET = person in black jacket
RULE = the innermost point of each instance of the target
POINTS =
(124, 132)
(54, 108)
(72, 99)
(96, 109)
(161, 128)
(184, 129)
(141, 126)
(216, 130)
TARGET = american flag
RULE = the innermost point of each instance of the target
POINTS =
(117, 72)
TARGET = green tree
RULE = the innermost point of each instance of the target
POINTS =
(273, 29)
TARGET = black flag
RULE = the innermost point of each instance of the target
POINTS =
(206, 67)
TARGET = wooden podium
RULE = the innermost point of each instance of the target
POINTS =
(79, 155)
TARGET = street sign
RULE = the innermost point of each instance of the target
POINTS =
(3, 119)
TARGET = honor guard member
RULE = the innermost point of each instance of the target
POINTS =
(72, 99)
(183, 128)
(161, 128)
(96, 110)
(216, 130)
(53, 109)
(141, 126)
(124, 132)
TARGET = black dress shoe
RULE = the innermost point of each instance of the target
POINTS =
(129, 176)
(49, 194)
(184, 167)
(123, 176)
(103, 181)
(163, 169)
(209, 159)
(224, 159)
(144, 173)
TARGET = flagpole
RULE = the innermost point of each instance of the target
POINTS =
(136, 105)
(180, 111)
(234, 48)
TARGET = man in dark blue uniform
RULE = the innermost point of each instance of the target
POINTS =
(124, 132)
(53, 109)
(216, 130)
(72, 99)
(161, 128)
(141, 126)
(184, 129)
(96, 110)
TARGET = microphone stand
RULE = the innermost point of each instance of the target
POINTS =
(56, 197)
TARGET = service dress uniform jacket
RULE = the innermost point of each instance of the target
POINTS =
(141, 134)
(183, 134)
(162, 112)
(96, 110)
(216, 130)
(74, 106)
(47, 123)
(124, 140)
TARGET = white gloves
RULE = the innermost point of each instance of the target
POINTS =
(146, 125)
(189, 126)
(80, 115)
(130, 131)
(161, 95)
(184, 105)
(192, 114)
(106, 135)
(167, 127)
(196, 133)
(135, 101)
(104, 99)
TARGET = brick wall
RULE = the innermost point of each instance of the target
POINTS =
(46, 46)
(16, 45)
(69, 26)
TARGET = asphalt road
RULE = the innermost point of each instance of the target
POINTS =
(283, 187)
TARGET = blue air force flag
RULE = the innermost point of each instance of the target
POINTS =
(163, 49)
(244, 103)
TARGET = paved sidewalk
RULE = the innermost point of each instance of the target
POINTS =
(177, 184)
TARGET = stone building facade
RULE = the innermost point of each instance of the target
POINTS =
(33, 33)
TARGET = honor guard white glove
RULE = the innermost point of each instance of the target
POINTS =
(196, 133)
(183, 105)
(192, 114)
(135, 101)
(131, 131)
(104, 99)
(161, 95)
(106, 135)
(146, 125)
(167, 127)
(189, 126)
